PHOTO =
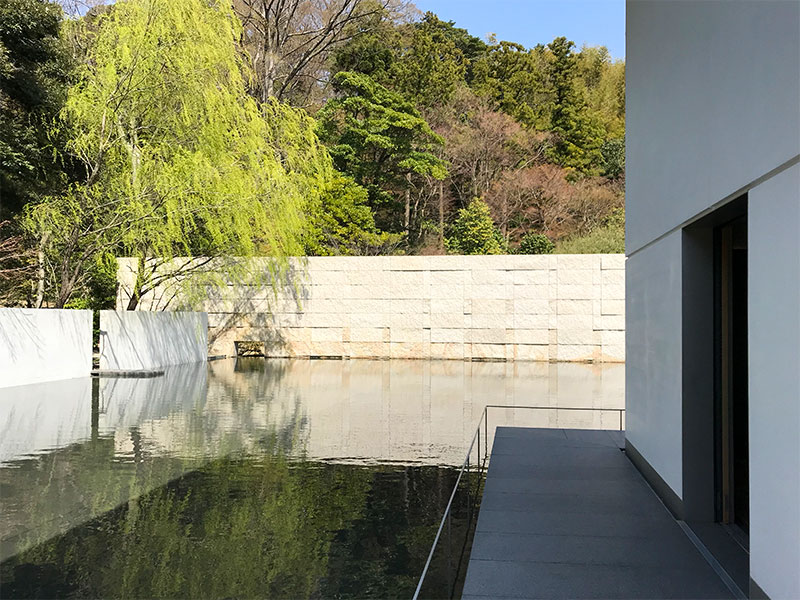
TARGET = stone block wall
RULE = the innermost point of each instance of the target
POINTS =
(543, 308)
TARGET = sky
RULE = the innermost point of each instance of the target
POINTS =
(531, 22)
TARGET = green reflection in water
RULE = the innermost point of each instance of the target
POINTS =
(249, 527)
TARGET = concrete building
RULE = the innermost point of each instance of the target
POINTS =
(713, 276)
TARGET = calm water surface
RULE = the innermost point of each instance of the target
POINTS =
(250, 478)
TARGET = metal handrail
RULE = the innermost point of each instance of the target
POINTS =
(484, 420)
(476, 435)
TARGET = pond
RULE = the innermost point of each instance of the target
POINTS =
(254, 478)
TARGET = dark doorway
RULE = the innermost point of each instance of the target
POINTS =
(715, 502)
(731, 397)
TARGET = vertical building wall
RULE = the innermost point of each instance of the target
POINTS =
(39, 345)
(774, 340)
(712, 105)
(653, 348)
(713, 113)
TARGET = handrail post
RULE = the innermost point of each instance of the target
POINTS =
(485, 433)
(469, 492)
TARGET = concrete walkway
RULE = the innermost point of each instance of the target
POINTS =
(566, 515)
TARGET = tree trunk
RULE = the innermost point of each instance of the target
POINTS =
(40, 271)
(441, 216)
(407, 222)
(505, 219)
(133, 302)
(269, 84)
(136, 292)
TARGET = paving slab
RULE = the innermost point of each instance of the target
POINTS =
(565, 514)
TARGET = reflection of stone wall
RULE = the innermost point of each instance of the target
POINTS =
(407, 411)
(40, 416)
(543, 308)
(62, 463)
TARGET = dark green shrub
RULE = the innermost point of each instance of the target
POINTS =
(535, 243)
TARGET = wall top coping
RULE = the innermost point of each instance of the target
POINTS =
(449, 262)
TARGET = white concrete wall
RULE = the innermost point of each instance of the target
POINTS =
(39, 345)
(134, 340)
(774, 349)
(561, 307)
(653, 385)
(712, 104)
(713, 112)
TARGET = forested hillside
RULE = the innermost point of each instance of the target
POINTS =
(427, 118)
(164, 128)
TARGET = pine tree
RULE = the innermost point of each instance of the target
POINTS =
(578, 135)
(381, 140)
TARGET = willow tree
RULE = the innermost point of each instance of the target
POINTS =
(179, 161)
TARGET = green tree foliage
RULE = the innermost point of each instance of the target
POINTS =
(340, 222)
(16, 267)
(535, 243)
(604, 83)
(34, 69)
(380, 139)
(546, 88)
(474, 232)
(371, 50)
(425, 61)
(178, 160)
(430, 68)
(481, 144)
(578, 135)
(515, 117)
(338, 217)
(471, 47)
(612, 157)
(516, 80)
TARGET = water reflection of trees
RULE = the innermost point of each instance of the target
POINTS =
(270, 526)
(234, 528)
(384, 551)
(190, 487)
(144, 433)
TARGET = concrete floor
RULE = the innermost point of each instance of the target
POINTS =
(566, 515)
